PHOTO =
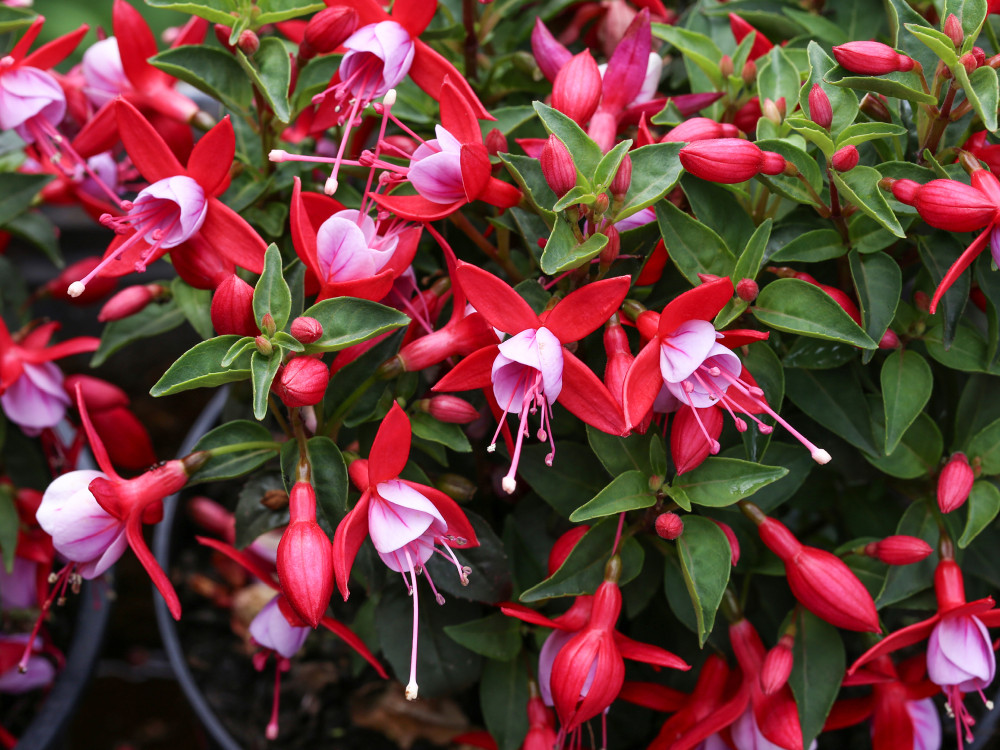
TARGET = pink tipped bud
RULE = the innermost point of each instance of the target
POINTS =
(232, 308)
(610, 252)
(248, 43)
(734, 543)
(576, 92)
(302, 382)
(496, 142)
(899, 550)
(747, 290)
(889, 340)
(953, 30)
(820, 109)
(723, 160)
(773, 110)
(871, 58)
(305, 558)
(622, 180)
(267, 325)
(306, 330)
(845, 159)
(979, 55)
(328, 29)
(749, 74)
(564, 545)
(602, 204)
(694, 436)
(669, 526)
(451, 409)
(726, 66)
(222, 33)
(700, 129)
(549, 53)
(873, 105)
(954, 483)
(263, 346)
(969, 62)
(129, 301)
(777, 666)
(905, 191)
(558, 167)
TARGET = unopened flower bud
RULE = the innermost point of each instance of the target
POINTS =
(969, 62)
(496, 142)
(700, 129)
(669, 526)
(773, 110)
(610, 252)
(734, 542)
(232, 308)
(305, 558)
(248, 43)
(549, 53)
(129, 301)
(845, 159)
(726, 66)
(267, 325)
(456, 487)
(306, 330)
(327, 30)
(871, 58)
(577, 89)
(954, 483)
(889, 340)
(873, 106)
(558, 167)
(953, 30)
(979, 55)
(955, 206)
(747, 290)
(820, 109)
(694, 436)
(749, 72)
(619, 358)
(905, 191)
(222, 33)
(302, 382)
(263, 346)
(777, 666)
(899, 550)
(451, 409)
(564, 545)
(602, 204)
(622, 180)
(729, 160)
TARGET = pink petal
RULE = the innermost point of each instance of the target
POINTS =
(27, 92)
(272, 630)
(399, 514)
(36, 400)
(683, 351)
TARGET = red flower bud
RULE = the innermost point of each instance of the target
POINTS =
(610, 252)
(820, 109)
(248, 43)
(619, 358)
(777, 666)
(689, 445)
(452, 409)
(969, 62)
(576, 92)
(873, 105)
(97, 288)
(954, 483)
(749, 75)
(700, 129)
(305, 558)
(306, 330)
(128, 301)
(746, 117)
(232, 308)
(899, 550)
(905, 191)
(622, 180)
(496, 142)
(954, 206)
(979, 55)
(821, 581)
(871, 58)
(669, 526)
(845, 159)
(921, 301)
(125, 438)
(98, 395)
(652, 270)
(953, 30)
(726, 66)
(729, 160)
(747, 290)
(222, 33)
(558, 167)
(302, 382)
(889, 340)
(564, 545)
(740, 28)
(734, 543)
(327, 30)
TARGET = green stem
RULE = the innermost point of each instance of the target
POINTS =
(941, 120)
(333, 425)
(251, 445)
(462, 222)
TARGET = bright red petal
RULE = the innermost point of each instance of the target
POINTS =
(585, 396)
(587, 309)
(96, 446)
(78, 345)
(648, 654)
(642, 384)
(133, 532)
(741, 337)
(304, 236)
(414, 15)
(500, 194)
(55, 51)
(959, 266)
(99, 134)
(348, 636)
(472, 373)
(373, 288)
(27, 39)
(136, 44)
(475, 162)
(391, 448)
(504, 308)
(429, 71)
(212, 157)
(457, 115)
(231, 236)
(148, 151)
(701, 303)
(416, 207)
(900, 639)
(347, 540)
(652, 695)
(251, 564)
(526, 614)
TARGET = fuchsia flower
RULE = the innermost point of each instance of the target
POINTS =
(407, 522)
(741, 28)
(954, 483)
(180, 211)
(533, 368)
(127, 442)
(871, 58)
(305, 560)
(693, 364)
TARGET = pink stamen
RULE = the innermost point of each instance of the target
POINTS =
(411, 688)
(272, 726)
(61, 581)
(713, 444)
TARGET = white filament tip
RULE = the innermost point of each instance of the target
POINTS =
(331, 186)
(820, 456)
(509, 484)
(277, 154)
(76, 289)
(390, 97)
(411, 691)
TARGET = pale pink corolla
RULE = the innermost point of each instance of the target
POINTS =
(682, 356)
(638, 219)
(960, 659)
(546, 658)
(81, 530)
(169, 211)
(27, 94)
(37, 399)
(378, 56)
(349, 248)
(647, 92)
(436, 168)
(926, 724)
(746, 735)
(103, 72)
(38, 673)
(271, 630)
(403, 525)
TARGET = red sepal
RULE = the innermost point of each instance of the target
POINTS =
(502, 307)
(391, 447)
(701, 303)
(347, 540)
(148, 151)
(212, 157)
(585, 396)
(585, 310)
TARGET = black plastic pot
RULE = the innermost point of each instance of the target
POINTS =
(162, 541)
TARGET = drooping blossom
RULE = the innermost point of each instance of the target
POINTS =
(38, 672)
(532, 369)
(407, 522)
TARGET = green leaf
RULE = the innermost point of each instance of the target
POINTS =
(196, 306)
(985, 445)
(817, 670)
(918, 452)
(618, 454)
(272, 295)
(719, 482)
(981, 90)
(12, 19)
(449, 435)
(983, 505)
(231, 465)
(347, 321)
(200, 367)
(818, 27)
(697, 48)
(834, 399)
(152, 320)
(503, 695)
(799, 464)
(705, 559)
(577, 194)
(253, 518)
(750, 260)
(817, 354)
(967, 351)
(860, 187)
(792, 187)
(527, 173)
(777, 77)
(860, 132)
(216, 11)
(562, 252)
(797, 306)
(693, 247)
(898, 85)
(971, 13)
(812, 132)
(490, 577)
(273, 11)
(270, 69)
(935, 41)
(586, 154)
(9, 526)
(656, 168)
(977, 408)
(17, 191)
(583, 569)
(879, 283)
(811, 247)
(907, 382)
(628, 491)
(262, 372)
(495, 636)
(574, 475)
(608, 166)
(208, 69)
(38, 229)
(844, 102)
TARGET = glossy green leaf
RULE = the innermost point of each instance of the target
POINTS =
(38, 229)
(273, 11)
(985, 445)
(797, 306)
(200, 367)
(899, 85)
(573, 475)
(562, 251)
(861, 132)
(860, 187)
(578, 194)
(936, 41)
(586, 154)
(449, 435)
(834, 399)
(981, 89)
(196, 306)
(12, 19)
(17, 191)
(655, 171)
(777, 77)
(208, 69)
(879, 283)
(907, 382)
(329, 477)
(967, 351)
(983, 505)
(495, 636)
(490, 577)
(620, 454)
(750, 260)
(697, 48)
(262, 372)
(817, 670)
(527, 173)
(230, 465)
(705, 559)
(347, 321)
(812, 132)
(628, 491)
(152, 320)
(719, 482)
(503, 695)
(693, 247)
(918, 452)
(978, 407)
(792, 187)
(216, 11)
(818, 354)
(817, 27)
(271, 70)
(812, 247)
(9, 526)
(271, 295)
(607, 168)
